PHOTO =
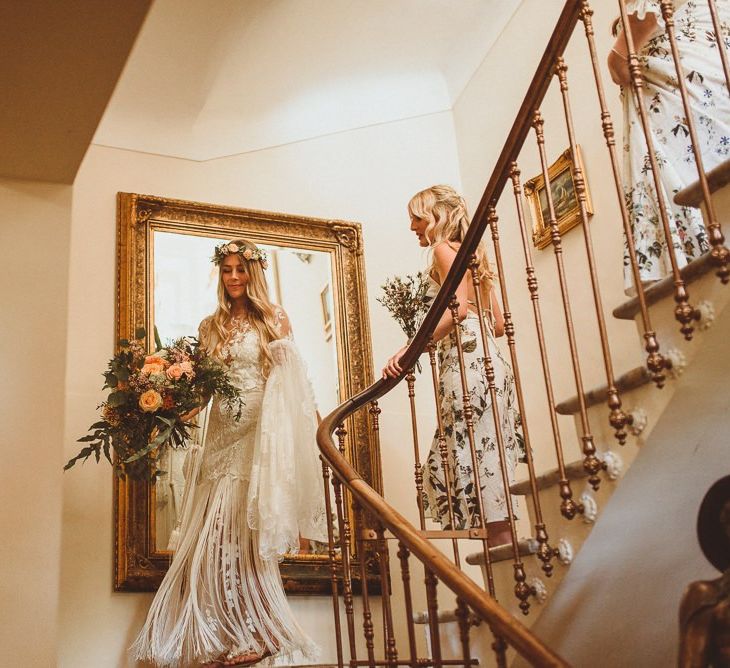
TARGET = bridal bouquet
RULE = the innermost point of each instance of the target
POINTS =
(407, 301)
(148, 396)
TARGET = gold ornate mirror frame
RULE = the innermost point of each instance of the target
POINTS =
(139, 564)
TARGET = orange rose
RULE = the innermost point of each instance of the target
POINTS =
(152, 369)
(155, 359)
(174, 372)
(150, 401)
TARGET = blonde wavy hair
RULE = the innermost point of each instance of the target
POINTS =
(215, 332)
(448, 221)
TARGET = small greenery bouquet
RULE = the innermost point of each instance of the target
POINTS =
(149, 396)
(407, 301)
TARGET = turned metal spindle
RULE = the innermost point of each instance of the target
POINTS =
(591, 463)
(368, 628)
(375, 411)
(720, 42)
(443, 448)
(545, 553)
(462, 616)
(499, 647)
(655, 362)
(522, 590)
(418, 470)
(333, 562)
(390, 649)
(344, 529)
(433, 617)
(618, 419)
(684, 312)
(403, 554)
(719, 252)
(568, 506)
(469, 422)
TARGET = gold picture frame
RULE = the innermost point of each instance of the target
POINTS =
(139, 563)
(565, 198)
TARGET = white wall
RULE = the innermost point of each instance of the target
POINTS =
(366, 175)
(34, 239)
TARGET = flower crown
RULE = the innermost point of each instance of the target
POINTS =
(223, 250)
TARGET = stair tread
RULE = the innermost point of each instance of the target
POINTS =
(630, 380)
(716, 179)
(665, 287)
(503, 552)
(573, 471)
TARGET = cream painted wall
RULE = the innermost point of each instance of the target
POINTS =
(483, 116)
(34, 240)
(365, 175)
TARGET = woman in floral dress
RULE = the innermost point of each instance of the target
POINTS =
(439, 219)
(710, 102)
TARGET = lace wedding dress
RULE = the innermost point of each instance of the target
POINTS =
(253, 489)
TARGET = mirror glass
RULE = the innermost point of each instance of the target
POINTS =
(184, 292)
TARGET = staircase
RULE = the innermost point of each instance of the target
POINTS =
(594, 578)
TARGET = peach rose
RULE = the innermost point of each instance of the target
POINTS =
(174, 372)
(155, 359)
(187, 368)
(233, 248)
(150, 401)
(248, 254)
(152, 369)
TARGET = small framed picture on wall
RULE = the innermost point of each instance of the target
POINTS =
(565, 198)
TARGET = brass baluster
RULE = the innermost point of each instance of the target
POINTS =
(443, 449)
(403, 554)
(655, 362)
(344, 529)
(591, 463)
(719, 252)
(433, 617)
(367, 615)
(469, 422)
(333, 563)
(462, 615)
(684, 312)
(720, 43)
(499, 647)
(617, 417)
(375, 412)
(418, 473)
(545, 553)
(568, 506)
(522, 590)
(391, 651)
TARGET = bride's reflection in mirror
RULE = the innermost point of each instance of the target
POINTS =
(184, 292)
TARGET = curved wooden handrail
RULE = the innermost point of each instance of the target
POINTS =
(501, 621)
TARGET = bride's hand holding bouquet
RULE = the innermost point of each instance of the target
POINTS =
(151, 401)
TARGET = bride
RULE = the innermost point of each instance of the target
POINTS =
(252, 493)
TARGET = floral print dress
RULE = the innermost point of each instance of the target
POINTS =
(710, 103)
(459, 461)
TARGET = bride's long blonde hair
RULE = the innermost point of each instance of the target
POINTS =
(445, 211)
(262, 314)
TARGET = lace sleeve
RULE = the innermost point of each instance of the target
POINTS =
(285, 498)
(204, 331)
(282, 323)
